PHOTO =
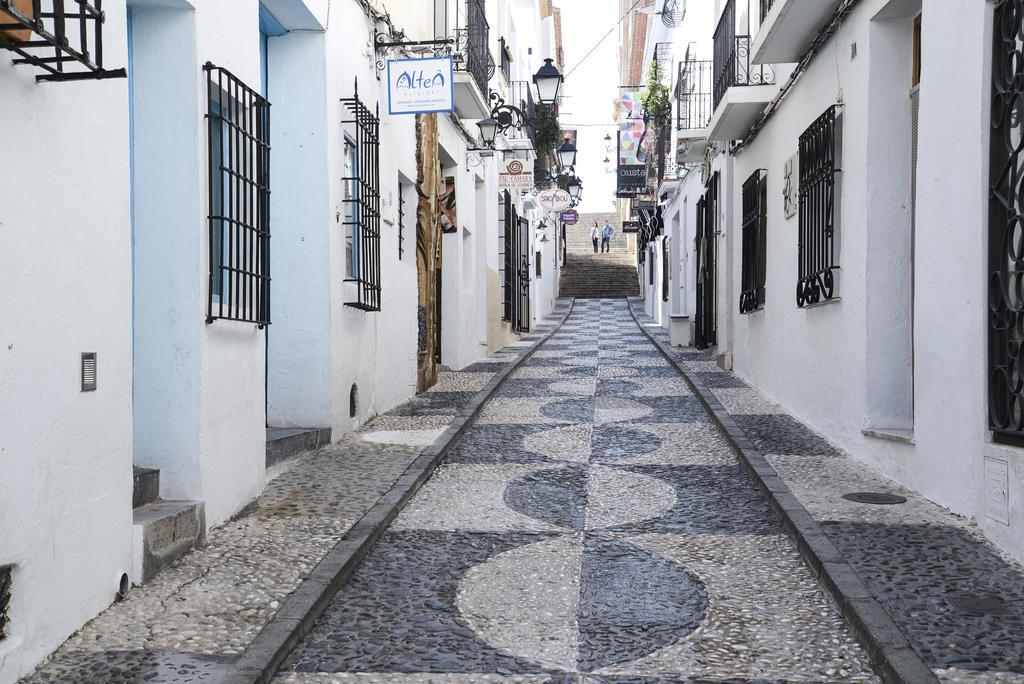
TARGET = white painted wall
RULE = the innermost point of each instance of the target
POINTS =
(65, 288)
(844, 366)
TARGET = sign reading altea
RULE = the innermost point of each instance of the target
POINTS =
(420, 86)
(634, 146)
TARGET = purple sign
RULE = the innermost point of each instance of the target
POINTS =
(570, 217)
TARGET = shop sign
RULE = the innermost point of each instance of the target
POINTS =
(420, 86)
(555, 199)
(514, 175)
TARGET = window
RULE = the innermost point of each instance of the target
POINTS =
(66, 42)
(350, 197)
(238, 123)
(361, 200)
(755, 228)
(1005, 315)
(820, 155)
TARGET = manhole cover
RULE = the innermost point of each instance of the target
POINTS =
(878, 498)
(977, 604)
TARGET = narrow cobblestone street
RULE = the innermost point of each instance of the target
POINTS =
(592, 522)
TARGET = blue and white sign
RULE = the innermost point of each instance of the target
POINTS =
(420, 86)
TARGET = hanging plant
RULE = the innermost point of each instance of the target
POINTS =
(549, 132)
(656, 99)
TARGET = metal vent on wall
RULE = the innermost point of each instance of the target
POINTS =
(88, 371)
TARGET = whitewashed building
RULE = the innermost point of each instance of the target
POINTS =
(852, 232)
(208, 250)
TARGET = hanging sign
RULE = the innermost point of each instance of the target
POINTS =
(570, 217)
(630, 226)
(514, 175)
(420, 86)
(555, 199)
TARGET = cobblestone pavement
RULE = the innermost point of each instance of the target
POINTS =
(919, 560)
(191, 621)
(592, 525)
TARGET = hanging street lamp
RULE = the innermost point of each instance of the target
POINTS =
(575, 188)
(488, 130)
(548, 80)
(567, 154)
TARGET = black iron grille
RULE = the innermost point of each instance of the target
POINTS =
(1005, 220)
(706, 329)
(238, 123)
(820, 146)
(66, 43)
(693, 94)
(732, 65)
(522, 249)
(509, 220)
(401, 219)
(755, 196)
(473, 41)
(362, 200)
(664, 269)
(5, 602)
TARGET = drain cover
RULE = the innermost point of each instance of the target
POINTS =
(878, 498)
(977, 604)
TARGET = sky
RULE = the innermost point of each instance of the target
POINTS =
(591, 90)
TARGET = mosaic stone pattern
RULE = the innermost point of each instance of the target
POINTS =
(190, 622)
(592, 525)
(917, 558)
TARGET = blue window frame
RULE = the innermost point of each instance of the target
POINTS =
(350, 199)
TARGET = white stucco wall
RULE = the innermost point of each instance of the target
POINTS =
(845, 366)
(65, 288)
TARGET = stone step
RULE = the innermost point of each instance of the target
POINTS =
(145, 486)
(287, 443)
(162, 532)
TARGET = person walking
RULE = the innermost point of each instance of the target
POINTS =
(606, 237)
(593, 236)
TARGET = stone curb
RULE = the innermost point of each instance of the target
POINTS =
(301, 609)
(891, 653)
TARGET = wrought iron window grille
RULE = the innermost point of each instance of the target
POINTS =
(401, 219)
(664, 269)
(66, 44)
(1005, 370)
(732, 65)
(755, 228)
(820, 165)
(472, 42)
(362, 215)
(238, 134)
(508, 220)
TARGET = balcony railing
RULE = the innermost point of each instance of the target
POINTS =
(732, 65)
(473, 40)
(766, 7)
(693, 94)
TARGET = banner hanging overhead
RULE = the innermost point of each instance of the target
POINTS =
(420, 86)
(634, 146)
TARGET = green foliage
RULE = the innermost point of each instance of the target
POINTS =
(549, 132)
(656, 99)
